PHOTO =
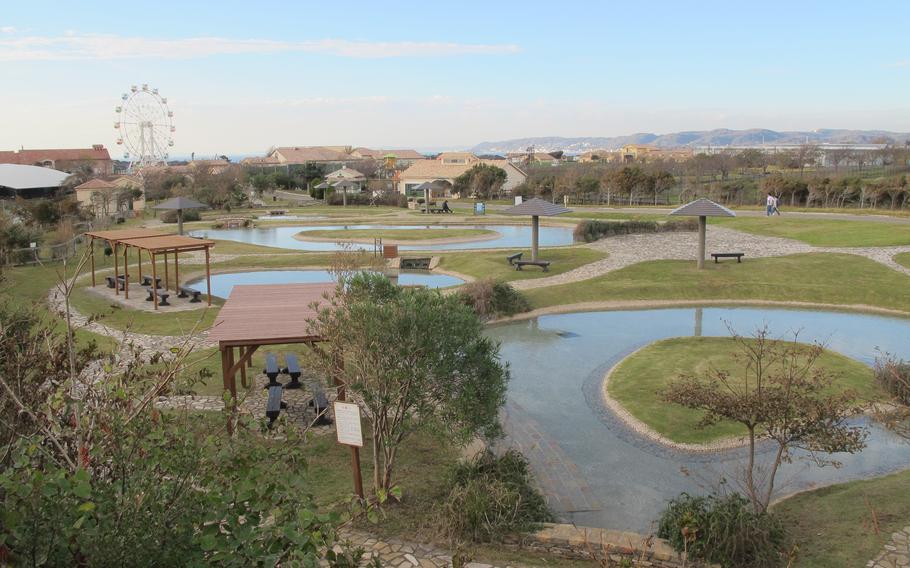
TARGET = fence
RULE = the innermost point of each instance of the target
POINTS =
(42, 253)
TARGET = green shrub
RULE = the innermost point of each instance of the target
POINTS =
(592, 230)
(188, 215)
(490, 298)
(723, 530)
(489, 498)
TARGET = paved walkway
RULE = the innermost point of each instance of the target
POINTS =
(626, 250)
(896, 554)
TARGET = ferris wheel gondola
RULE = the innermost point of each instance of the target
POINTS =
(145, 127)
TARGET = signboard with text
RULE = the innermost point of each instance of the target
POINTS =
(347, 424)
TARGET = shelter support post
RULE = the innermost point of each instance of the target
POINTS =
(167, 282)
(535, 234)
(126, 273)
(116, 272)
(154, 280)
(91, 246)
(180, 221)
(227, 380)
(176, 272)
(702, 229)
(208, 276)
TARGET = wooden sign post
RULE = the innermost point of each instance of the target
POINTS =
(349, 433)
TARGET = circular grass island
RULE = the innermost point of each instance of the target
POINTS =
(633, 388)
(398, 236)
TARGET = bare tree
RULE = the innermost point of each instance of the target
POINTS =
(781, 396)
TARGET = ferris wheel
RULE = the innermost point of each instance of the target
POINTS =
(145, 127)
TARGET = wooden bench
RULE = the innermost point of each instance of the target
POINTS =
(512, 258)
(545, 264)
(737, 255)
(320, 404)
(162, 297)
(292, 370)
(273, 404)
(187, 292)
(271, 370)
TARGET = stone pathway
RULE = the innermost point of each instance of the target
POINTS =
(896, 554)
(626, 250)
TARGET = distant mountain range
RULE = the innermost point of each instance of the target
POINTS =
(718, 137)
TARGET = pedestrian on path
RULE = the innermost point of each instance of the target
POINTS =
(776, 206)
(769, 205)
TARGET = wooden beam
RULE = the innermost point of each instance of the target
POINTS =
(167, 283)
(246, 356)
(92, 254)
(225, 368)
(176, 271)
(154, 280)
(208, 275)
(116, 272)
(126, 273)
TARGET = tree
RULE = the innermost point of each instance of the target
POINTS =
(416, 358)
(783, 397)
(483, 180)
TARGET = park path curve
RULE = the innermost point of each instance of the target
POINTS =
(626, 250)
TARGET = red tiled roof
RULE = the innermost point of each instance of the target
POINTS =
(96, 184)
(31, 157)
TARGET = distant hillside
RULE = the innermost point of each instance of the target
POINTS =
(719, 137)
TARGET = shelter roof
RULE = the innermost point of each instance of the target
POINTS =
(181, 203)
(269, 314)
(168, 243)
(703, 208)
(536, 207)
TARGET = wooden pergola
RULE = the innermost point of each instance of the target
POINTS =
(273, 314)
(265, 314)
(154, 243)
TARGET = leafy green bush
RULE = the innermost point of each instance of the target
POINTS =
(490, 298)
(592, 230)
(491, 497)
(188, 215)
(105, 479)
(723, 530)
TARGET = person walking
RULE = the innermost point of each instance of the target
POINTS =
(776, 206)
(769, 205)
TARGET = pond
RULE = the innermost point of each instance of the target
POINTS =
(223, 283)
(510, 236)
(597, 471)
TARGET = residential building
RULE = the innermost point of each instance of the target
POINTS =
(449, 165)
(28, 182)
(63, 159)
(347, 174)
(394, 159)
(104, 197)
(537, 158)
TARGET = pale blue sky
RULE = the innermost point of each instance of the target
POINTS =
(242, 76)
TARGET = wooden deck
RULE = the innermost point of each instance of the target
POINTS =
(268, 314)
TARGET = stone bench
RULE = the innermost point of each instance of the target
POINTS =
(545, 264)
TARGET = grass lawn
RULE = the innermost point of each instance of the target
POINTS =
(398, 234)
(823, 232)
(493, 264)
(835, 526)
(639, 380)
(151, 323)
(903, 259)
(421, 468)
(816, 277)
(29, 285)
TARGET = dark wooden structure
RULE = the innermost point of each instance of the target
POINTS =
(255, 315)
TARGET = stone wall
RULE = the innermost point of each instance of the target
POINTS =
(569, 541)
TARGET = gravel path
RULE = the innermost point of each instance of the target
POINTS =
(626, 250)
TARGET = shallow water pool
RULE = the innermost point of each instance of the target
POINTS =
(597, 471)
(223, 283)
(510, 236)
